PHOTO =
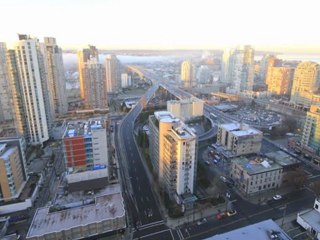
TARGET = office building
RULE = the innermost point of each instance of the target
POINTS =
(125, 80)
(85, 145)
(12, 172)
(83, 56)
(55, 76)
(252, 176)
(34, 89)
(186, 109)
(174, 155)
(305, 83)
(187, 73)
(239, 138)
(311, 131)
(241, 68)
(112, 74)
(279, 80)
(6, 113)
(95, 92)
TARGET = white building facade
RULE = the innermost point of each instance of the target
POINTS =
(33, 88)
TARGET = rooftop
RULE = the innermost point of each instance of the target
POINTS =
(257, 165)
(103, 207)
(163, 115)
(183, 131)
(312, 217)
(83, 127)
(282, 158)
(240, 129)
(262, 231)
(6, 152)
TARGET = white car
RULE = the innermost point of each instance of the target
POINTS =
(201, 221)
(223, 179)
(231, 213)
(277, 197)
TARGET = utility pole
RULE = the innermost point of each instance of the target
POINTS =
(284, 214)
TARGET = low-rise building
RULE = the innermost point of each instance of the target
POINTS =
(255, 175)
(267, 229)
(104, 214)
(239, 138)
(287, 162)
(309, 219)
(186, 109)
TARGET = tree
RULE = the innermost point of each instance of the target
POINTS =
(296, 178)
(290, 123)
(315, 187)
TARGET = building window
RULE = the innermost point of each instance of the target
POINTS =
(316, 206)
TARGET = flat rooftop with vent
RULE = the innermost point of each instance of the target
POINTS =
(83, 127)
(80, 218)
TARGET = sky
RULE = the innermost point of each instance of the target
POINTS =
(278, 25)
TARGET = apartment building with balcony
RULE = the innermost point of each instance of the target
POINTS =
(173, 154)
(12, 172)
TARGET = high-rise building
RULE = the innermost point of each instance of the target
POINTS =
(112, 73)
(6, 113)
(95, 93)
(83, 56)
(12, 172)
(266, 62)
(34, 89)
(203, 75)
(311, 130)
(173, 154)
(125, 80)
(241, 68)
(55, 75)
(306, 82)
(279, 80)
(239, 138)
(18, 106)
(85, 145)
(187, 73)
(225, 78)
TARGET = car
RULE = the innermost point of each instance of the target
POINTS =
(221, 215)
(277, 197)
(207, 163)
(223, 179)
(231, 212)
(201, 221)
(215, 161)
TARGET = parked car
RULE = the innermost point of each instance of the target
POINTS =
(223, 179)
(201, 221)
(221, 215)
(277, 197)
(207, 163)
(231, 212)
(215, 161)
